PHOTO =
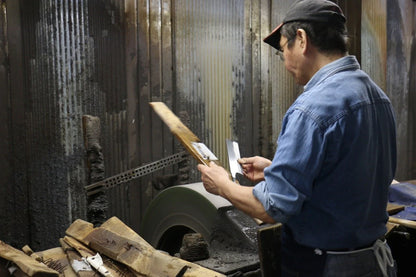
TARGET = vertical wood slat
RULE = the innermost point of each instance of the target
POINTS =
(400, 81)
(167, 82)
(155, 77)
(262, 108)
(144, 90)
(352, 11)
(5, 135)
(156, 85)
(411, 135)
(374, 40)
(131, 62)
(18, 193)
(246, 80)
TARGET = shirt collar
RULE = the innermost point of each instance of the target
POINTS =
(344, 63)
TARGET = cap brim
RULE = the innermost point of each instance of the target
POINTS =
(273, 39)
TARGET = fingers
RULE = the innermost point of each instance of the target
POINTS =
(246, 160)
(201, 167)
(243, 160)
(204, 169)
(211, 163)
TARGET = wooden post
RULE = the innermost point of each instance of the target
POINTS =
(97, 204)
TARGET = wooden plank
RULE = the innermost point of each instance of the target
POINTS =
(182, 133)
(82, 249)
(142, 258)
(79, 229)
(56, 259)
(394, 208)
(269, 249)
(27, 264)
(129, 252)
(404, 222)
(119, 227)
(73, 257)
(391, 227)
(113, 268)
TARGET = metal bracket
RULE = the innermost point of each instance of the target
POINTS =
(97, 263)
(135, 173)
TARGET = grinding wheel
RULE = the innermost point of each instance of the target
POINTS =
(179, 210)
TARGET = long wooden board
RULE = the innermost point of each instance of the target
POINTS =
(182, 133)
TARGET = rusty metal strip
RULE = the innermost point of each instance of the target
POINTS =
(135, 173)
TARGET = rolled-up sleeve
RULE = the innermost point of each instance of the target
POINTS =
(280, 206)
(289, 179)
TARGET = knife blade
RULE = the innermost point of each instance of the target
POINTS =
(233, 156)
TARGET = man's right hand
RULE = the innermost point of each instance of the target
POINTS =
(253, 167)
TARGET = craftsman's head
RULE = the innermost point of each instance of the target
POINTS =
(321, 23)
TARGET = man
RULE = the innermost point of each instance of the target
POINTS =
(335, 158)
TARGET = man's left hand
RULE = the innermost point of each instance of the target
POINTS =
(214, 177)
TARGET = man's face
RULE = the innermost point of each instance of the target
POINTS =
(293, 58)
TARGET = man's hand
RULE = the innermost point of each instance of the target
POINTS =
(253, 167)
(214, 177)
(217, 180)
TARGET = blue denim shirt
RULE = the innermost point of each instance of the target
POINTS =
(334, 162)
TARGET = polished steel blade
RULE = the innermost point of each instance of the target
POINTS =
(233, 156)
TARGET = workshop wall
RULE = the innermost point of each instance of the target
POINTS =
(62, 59)
(401, 81)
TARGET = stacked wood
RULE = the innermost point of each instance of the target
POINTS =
(118, 242)
(113, 249)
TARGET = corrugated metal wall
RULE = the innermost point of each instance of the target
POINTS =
(284, 89)
(61, 59)
(213, 71)
(373, 40)
(210, 65)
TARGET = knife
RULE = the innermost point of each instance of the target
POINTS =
(233, 156)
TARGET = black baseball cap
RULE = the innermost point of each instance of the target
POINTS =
(309, 11)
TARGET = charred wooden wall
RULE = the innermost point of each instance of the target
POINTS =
(62, 59)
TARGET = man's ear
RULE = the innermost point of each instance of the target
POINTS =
(303, 39)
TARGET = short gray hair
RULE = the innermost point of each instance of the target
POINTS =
(328, 38)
